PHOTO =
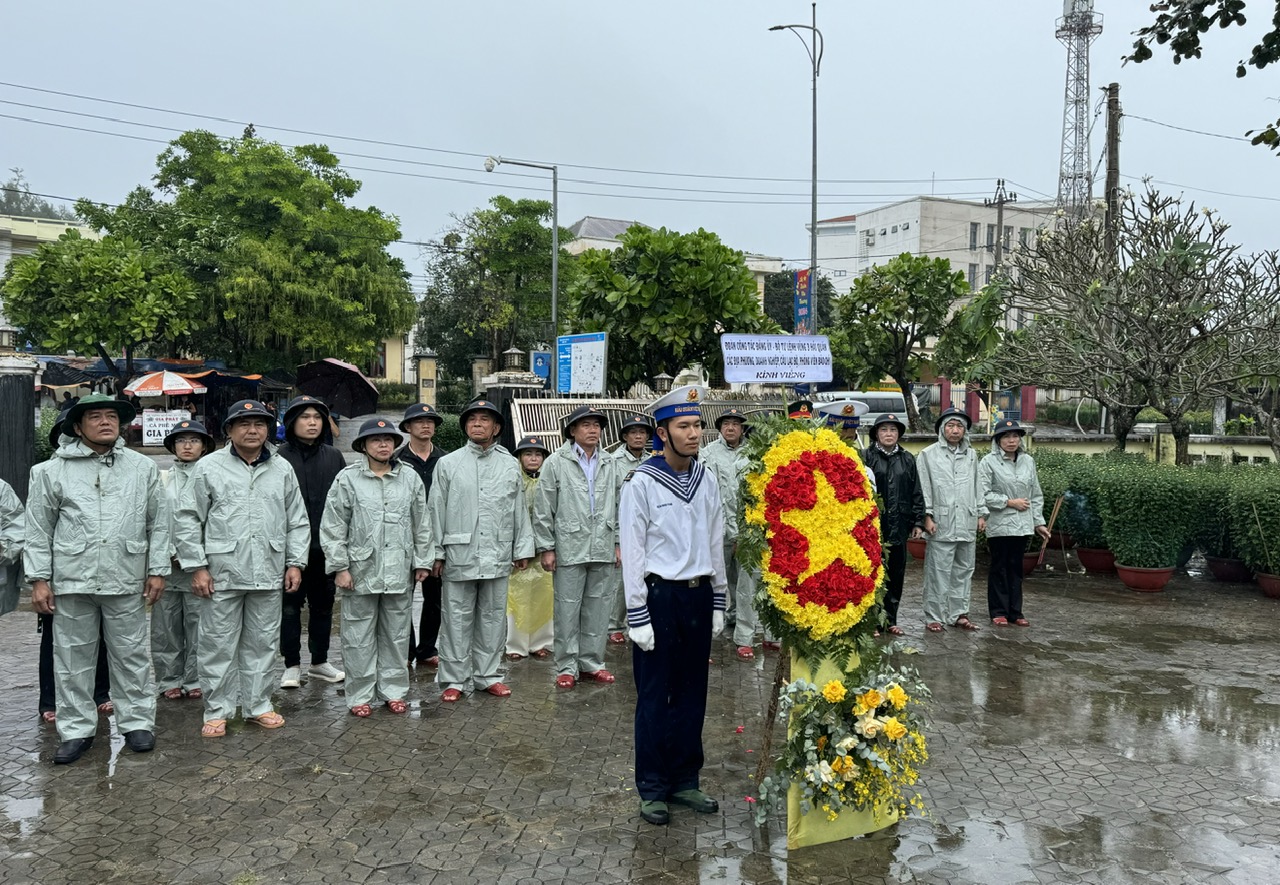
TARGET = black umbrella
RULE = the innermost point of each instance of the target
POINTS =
(339, 384)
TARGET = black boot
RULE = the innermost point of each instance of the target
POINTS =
(70, 751)
(140, 741)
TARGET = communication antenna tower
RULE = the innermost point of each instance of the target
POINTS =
(1077, 29)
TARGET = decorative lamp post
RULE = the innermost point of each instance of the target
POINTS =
(662, 383)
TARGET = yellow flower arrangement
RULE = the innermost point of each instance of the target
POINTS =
(851, 747)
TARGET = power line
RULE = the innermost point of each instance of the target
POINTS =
(617, 184)
(1202, 190)
(1186, 129)
(382, 143)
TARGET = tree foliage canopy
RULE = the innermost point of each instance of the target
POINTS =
(665, 298)
(884, 322)
(90, 295)
(286, 270)
(1180, 25)
(489, 283)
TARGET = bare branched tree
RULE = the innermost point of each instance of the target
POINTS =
(1171, 319)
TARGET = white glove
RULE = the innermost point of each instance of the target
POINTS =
(717, 623)
(642, 637)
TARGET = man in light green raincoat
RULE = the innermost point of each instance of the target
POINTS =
(727, 460)
(575, 530)
(479, 530)
(376, 539)
(954, 513)
(97, 550)
(242, 533)
(11, 540)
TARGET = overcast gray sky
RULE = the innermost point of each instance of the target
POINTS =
(915, 96)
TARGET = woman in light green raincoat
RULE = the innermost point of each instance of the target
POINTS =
(1011, 492)
(530, 595)
(376, 539)
(175, 618)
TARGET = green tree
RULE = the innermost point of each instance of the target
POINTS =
(779, 299)
(286, 269)
(665, 298)
(883, 323)
(489, 283)
(1180, 25)
(97, 295)
(16, 199)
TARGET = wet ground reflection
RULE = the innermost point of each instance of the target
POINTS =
(1123, 738)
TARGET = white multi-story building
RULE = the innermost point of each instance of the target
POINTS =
(20, 235)
(961, 231)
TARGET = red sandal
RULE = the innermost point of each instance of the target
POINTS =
(397, 706)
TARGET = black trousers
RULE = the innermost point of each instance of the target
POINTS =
(895, 572)
(422, 644)
(1004, 580)
(671, 688)
(101, 678)
(317, 590)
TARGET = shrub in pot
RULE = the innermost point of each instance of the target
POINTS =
(1079, 516)
(1212, 530)
(1255, 522)
(1147, 514)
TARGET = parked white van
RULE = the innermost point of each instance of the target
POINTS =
(879, 402)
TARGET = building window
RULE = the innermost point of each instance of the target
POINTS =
(895, 229)
(973, 236)
(839, 273)
(990, 271)
(906, 225)
(973, 274)
(1024, 237)
(991, 237)
(1008, 237)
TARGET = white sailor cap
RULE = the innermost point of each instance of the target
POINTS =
(843, 413)
(685, 400)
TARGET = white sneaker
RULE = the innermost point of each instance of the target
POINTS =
(327, 672)
(292, 678)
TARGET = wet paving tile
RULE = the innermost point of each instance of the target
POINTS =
(1124, 738)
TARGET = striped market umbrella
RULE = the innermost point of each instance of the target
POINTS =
(163, 384)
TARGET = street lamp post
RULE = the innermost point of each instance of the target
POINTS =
(815, 56)
(491, 163)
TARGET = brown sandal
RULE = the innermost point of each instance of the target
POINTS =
(172, 694)
(271, 719)
(214, 728)
(933, 627)
(895, 630)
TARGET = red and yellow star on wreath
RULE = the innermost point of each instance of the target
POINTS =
(822, 564)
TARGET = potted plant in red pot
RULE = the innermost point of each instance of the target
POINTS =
(1214, 532)
(1146, 512)
(1255, 525)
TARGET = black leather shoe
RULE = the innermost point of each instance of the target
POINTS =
(70, 751)
(140, 741)
(655, 812)
(695, 799)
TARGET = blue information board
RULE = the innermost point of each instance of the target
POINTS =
(580, 362)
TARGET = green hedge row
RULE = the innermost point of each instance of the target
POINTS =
(1150, 515)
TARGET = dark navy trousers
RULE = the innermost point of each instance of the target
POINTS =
(671, 688)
